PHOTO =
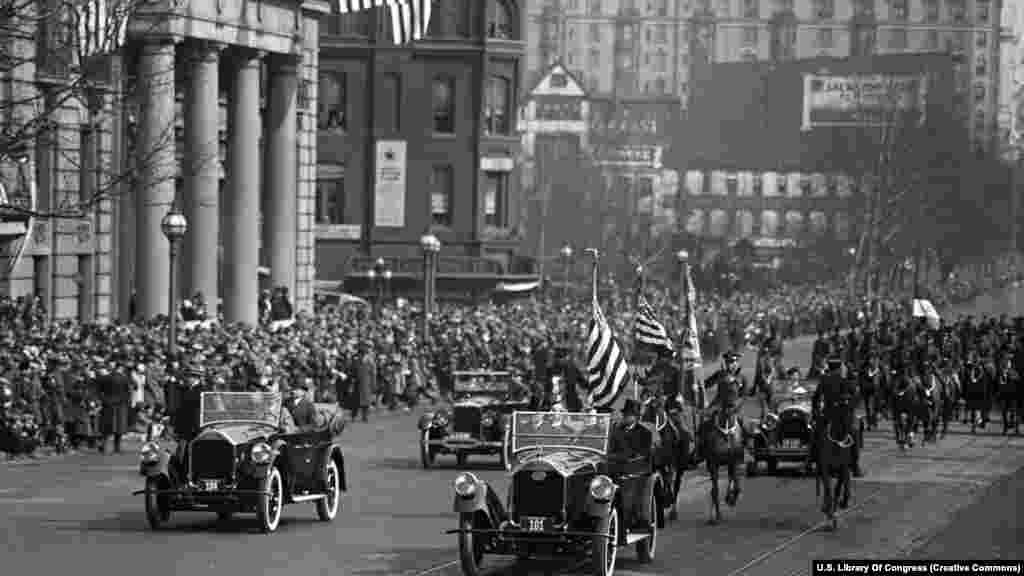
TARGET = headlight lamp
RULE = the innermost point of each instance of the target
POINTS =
(487, 420)
(602, 488)
(465, 485)
(261, 453)
(440, 420)
(149, 453)
(770, 422)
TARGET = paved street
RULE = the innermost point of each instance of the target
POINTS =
(61, 515)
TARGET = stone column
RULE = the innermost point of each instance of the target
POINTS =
(202, 172)
(280, 185)
(241, 240)
(155, 162)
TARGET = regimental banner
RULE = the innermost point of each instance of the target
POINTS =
(863, 100)
(389, 184)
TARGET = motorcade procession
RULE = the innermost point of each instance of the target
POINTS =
(595, 442)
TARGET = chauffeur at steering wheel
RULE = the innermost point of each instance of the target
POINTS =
(630, 455)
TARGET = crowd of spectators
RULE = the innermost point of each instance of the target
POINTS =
(354, 356)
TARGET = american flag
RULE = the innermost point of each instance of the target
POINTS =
(101, 26)
(647, 330)
(409, 18)
(607, 370)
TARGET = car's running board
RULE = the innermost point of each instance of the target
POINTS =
(636, 537)
(307, 497)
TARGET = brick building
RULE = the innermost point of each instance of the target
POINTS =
(419, 138)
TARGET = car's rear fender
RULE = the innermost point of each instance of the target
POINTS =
(333, 452)
(157, 469)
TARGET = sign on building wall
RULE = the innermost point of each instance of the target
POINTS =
(635, 155)
(863, 100)
(389, 184)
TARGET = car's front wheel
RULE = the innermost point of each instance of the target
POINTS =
(506, 450)
(327, 508)
(158, 513)
(471, 552)
(605, 550)
(646, 548)
(426, 454)
(270, 501)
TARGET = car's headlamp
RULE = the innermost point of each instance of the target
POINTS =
(440, 419)
(602, 488)
(487, 420)
(465, 485)
(770, 422)
(149, 453)
(261, 453)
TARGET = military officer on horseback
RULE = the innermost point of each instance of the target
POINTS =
(835, 390)
(721, 392)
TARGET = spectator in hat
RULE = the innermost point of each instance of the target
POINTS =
(366, 383)
(115, 395)
(631, 449)
(300, 405)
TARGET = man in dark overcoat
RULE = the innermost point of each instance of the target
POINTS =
(115, 389)
(366, 383)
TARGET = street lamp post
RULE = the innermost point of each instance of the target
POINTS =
(380, 275)
(683, 258)
(174, 225)
(566, 254)
(640, 283)
(431, 247)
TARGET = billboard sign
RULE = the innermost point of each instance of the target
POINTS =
(862, 100)
(389, 185)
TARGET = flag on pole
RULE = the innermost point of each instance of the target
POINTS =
(647, 330)
(607, 370)
(691, 355)
(410, 19)
(101, 26)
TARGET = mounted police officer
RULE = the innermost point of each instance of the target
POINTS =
(833, 388)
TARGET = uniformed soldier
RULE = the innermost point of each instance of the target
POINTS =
(831, 391)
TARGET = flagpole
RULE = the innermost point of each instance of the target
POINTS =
(596, 255)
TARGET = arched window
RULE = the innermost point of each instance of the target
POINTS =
(719, 223)
(744, 224)
(695, 180)
(695, 222)
(444, 104)
(819, 224)
(501, 20)
(841, 226)
(769, 223)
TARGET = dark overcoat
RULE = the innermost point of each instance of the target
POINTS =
(115, 394)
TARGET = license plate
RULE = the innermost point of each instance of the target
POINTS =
(461, 436)
(209, 485)
(791, 444)
(534, 523)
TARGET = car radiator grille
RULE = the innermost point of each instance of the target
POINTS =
(212, 460)
(538, 498)
(793, 426)
(466, 419)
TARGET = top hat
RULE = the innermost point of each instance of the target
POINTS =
(730, 356)
(834, 362)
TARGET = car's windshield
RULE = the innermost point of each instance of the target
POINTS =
(790, 391)
(484, 383)
(560, 429)
(217, 407)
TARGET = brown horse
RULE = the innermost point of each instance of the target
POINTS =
(835, 458)
(721, 439)
(674, 455)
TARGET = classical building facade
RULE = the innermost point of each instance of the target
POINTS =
(210, 108)
(419, 138)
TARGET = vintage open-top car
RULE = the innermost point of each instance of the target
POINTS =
(244, 458)
(477, 421)
(786, 434)
(564, 497)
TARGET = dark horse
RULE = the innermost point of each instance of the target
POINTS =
(721, 440)
(674, 455)
(905, 409)
(835, 457)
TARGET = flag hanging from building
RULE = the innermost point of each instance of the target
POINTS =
(607, 370)
(101, 26)
(409, 18)
(647, 330)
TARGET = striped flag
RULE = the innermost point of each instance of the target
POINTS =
(647, 330)
(409, 18)
(607, 370)
(101, 26)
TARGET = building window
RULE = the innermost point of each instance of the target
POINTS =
(931, 40)
(831, 184)
(958, 11)
(332, 101)
(979, 122)
(695, 222)
(496, 199)
(496, 117)
(594, 7)
(744, 223)
(931, 11)
(769, 223)
(898, 10)
(330, 199)
(719, 225)
(980, 65)
(898, 39)
(825, 39)
(863, 41)
(499, 21)
(825, 9)
(751, 9)
(454, 16)
(982, 10)
(981, 40)
(392, 87)
(864, 8)
(444, 105)
(594, 33)
(979, 92)
(794, 223)
(750, 35)
(441, 187)
(784, 40)
(88, 173)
